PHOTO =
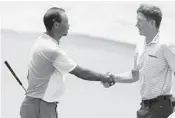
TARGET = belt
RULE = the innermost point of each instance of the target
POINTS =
(159, 98)
(28, 97)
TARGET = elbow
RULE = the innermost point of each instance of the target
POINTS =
(135, 76)
(135, 79)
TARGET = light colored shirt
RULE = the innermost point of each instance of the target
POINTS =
(47, 67)
(156, 64)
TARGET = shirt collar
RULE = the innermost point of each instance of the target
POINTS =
(45, 35)
(154, 41)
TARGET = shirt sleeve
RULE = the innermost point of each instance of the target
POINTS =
(137, 54)
(169, 53)
(63, 63)
(135, 58)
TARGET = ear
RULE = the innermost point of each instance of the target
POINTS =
(153, 22)
(56, 24)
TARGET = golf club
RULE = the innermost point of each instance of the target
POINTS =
(11, 70)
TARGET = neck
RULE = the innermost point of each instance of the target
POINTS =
(54, 35)
(151, 36)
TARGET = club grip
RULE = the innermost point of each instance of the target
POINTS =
(11, 70)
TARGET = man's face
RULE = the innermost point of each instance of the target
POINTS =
(143, 25)
(63, 26)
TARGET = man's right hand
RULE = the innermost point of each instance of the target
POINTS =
(108, 80)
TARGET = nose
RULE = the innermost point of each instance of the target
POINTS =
(137, 25)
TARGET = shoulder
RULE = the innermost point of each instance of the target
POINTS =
(45, 47)
(167, 45)
(166, 41)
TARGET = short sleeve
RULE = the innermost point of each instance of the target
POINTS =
(63, 63)
(137, 56)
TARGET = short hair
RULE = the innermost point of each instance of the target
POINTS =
(53, 14)
(151, 12)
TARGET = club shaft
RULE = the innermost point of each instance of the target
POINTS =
(13, 73)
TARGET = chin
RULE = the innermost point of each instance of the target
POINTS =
(141, 34)
(65, 34)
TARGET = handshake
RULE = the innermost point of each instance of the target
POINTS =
(108, 80)
(128, 77)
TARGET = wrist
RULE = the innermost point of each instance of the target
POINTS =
(101, 78)
(116, 78)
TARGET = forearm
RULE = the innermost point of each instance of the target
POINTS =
(124, 77)
(87, 74)
(127, 77)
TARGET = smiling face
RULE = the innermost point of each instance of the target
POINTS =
(65, 24)
(144, 26)
(56, 21)
(148, 19)
(62, 27)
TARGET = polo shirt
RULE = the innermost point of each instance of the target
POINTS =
(47, 67)
(156, 64)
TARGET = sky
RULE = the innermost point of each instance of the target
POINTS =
(112, 20)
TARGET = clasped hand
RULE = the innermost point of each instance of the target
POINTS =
(108, 80)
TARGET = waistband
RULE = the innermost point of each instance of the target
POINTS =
(159, 98)
(39, 99)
